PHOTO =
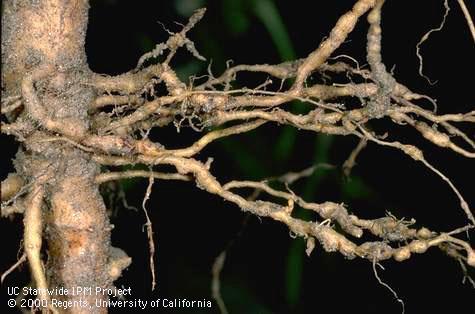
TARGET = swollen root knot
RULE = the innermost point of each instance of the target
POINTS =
(118, 261)
(424, 233)
(402, 254)
(418, 246)
(376, 251)
(414, 152)
(471, 258)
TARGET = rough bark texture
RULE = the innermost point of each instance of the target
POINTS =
(50, 35)
(50, 88)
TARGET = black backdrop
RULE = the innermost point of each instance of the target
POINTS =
(192, 227)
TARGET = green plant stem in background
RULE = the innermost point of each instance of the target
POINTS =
(296, 255)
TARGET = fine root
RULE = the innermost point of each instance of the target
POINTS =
(17, 264)
(223, 106)
(388, 286)
(216, 283)
(149, 227)
(425, 37)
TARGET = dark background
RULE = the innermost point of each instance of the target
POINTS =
(267, 271)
